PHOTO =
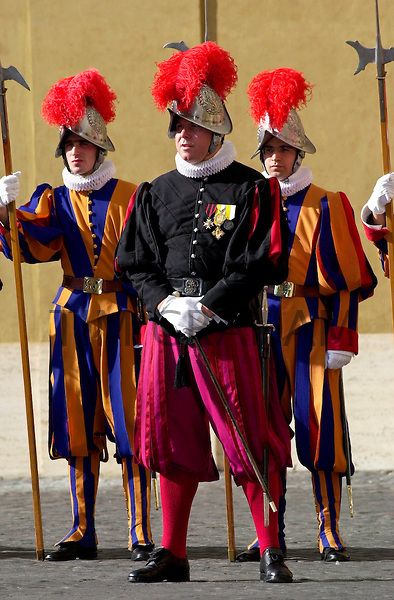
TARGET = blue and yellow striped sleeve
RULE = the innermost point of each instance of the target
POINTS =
(40, 235)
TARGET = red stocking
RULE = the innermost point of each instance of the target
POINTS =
(177, 496)
(267, 536)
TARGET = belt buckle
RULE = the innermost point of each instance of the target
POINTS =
(191, 287)
(92, 285)
(285, 289)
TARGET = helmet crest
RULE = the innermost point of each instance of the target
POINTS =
(275, 93)
(66, 101)
(274, 99)
(182, 76)
(82, 104)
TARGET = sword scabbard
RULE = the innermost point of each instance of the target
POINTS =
(346, 444)
(350, 500)
(225, 405)
(156, 490)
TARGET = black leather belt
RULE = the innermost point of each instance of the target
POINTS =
(191, 286)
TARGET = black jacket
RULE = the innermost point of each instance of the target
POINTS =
(168, 236)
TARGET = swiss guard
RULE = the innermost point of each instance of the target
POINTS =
(92, 384)
(314, 312)
(200, 244)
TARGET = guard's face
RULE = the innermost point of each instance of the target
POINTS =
(192, 141)
(81, 155)
(278, 158)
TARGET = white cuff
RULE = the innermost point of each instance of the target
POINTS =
(366, 212)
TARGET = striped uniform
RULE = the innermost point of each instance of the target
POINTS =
(92, 380)
(325, 254)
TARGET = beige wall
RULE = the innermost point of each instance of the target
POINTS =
(48, 39)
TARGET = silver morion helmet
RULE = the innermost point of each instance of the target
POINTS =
(91, 127)
(207, 111)
(291, 133)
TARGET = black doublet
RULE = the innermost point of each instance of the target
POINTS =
(166, 237)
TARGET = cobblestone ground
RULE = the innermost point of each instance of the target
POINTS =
(369, 536)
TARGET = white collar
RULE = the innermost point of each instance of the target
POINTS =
(94, 181)
(296, 182)
(217, 163)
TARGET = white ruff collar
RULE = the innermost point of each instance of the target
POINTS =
(94, 181)
(217, 163)
(296, 182)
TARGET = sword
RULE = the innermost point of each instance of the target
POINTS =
(265, 331)
(346, 444)
(381, 56)
(228, 410)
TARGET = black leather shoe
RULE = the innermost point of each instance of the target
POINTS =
(273, 568)
(249, 555)
(334, 555)
(141, 552)
(71, 551)
(253, 555)
(162, 566)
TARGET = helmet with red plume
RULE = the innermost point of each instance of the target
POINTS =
(274, 99)
(83, 104)
(194, 83)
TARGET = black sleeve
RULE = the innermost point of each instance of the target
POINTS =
(138, 256)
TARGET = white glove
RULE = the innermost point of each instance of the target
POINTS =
(9, 188)
(201, 320)
(336, 359)
(184, 313)
(382, 193)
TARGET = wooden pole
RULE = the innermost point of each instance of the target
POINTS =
(384, 134)
(231, 550)
(381, 56)
(389, 207)
(208, 32)
(24, 346)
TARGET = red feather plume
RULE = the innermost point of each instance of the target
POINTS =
(66, 101)
(275, 93)
(181, 76)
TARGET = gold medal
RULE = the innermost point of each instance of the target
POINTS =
(223, 216)
(218, 233)
(219, 218)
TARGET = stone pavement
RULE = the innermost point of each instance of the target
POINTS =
(369, 536)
